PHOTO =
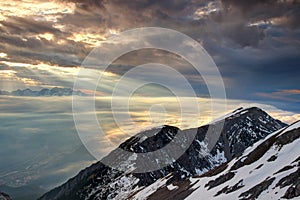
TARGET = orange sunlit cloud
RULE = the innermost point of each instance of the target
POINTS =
(288, 92)
(284, 95)
(50, 10)
(3, 55)
(47, 36)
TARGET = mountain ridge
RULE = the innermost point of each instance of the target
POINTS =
(56, 91)
(270, 169)
(242, 128)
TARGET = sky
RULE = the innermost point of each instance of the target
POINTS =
(254, 44)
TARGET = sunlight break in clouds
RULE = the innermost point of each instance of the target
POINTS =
(44, 11)
(3, 55)
(22, 75)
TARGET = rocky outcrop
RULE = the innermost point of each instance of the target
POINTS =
(4, 196)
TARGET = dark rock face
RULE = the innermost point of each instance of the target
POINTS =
(293, 181)
(241, 129)
(166, 194)
(292, 192)
(254, 192)
(4, 196)
(220, 180)
(227, 190)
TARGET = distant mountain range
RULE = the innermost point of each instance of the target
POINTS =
(226, 171)
(56, 91)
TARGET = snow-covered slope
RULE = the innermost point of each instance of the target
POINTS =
(242, 128)
(270, 169)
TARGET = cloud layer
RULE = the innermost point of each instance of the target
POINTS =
(255, 44)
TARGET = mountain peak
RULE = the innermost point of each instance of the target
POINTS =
(238, 112)
(150, 140)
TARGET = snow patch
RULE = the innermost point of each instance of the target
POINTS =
(292, 127)
(172, 187)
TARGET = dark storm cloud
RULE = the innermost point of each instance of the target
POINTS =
(254, 43)
(19, 39)
(228, 24)
(287, 10)
(25, 26)
(275, 64)
(121, 15)
(4, 67)
(34, 51)
(231, 21)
